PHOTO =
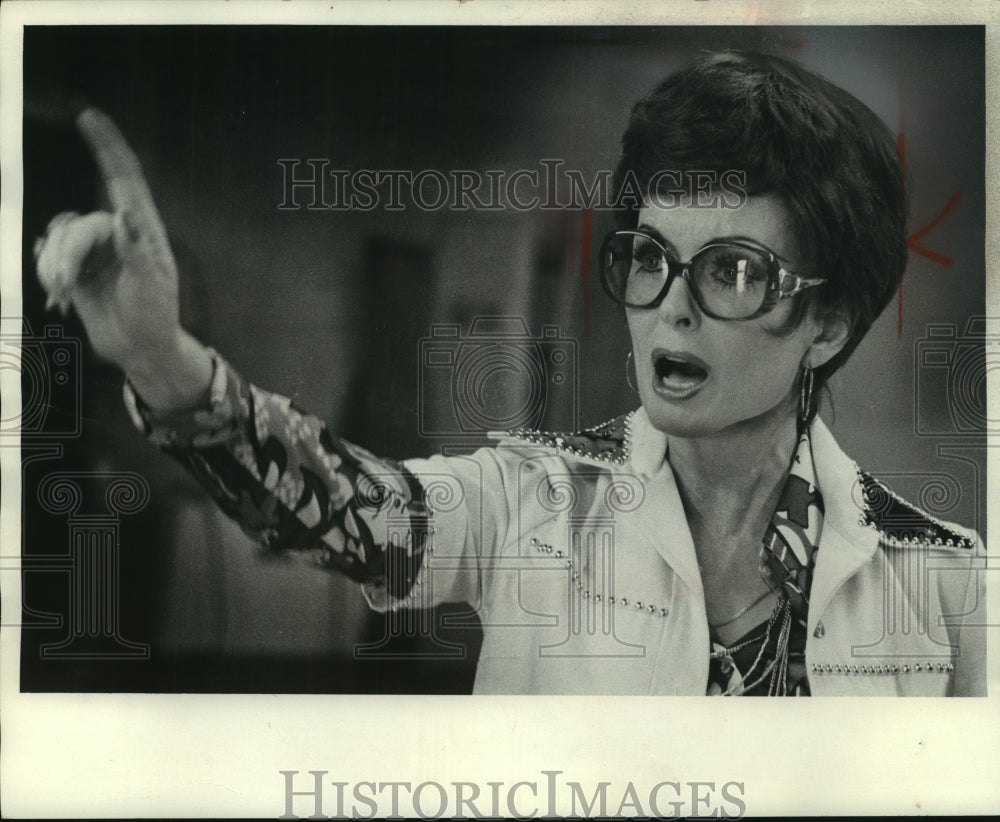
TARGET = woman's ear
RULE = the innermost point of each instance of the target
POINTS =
(834, 330)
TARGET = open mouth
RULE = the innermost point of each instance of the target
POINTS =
(677, 374)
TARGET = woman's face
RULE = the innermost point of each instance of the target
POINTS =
(698, 376)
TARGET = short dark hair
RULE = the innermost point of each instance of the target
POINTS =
(829, 159)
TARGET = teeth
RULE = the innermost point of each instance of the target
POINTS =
(681, 378)
(678, 377)
(676, 370)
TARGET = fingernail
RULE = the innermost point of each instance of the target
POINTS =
(50, 302)
(131, 227)
(64, 308)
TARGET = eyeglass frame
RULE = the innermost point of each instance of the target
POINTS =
(776, 275)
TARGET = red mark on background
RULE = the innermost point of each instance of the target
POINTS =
(585, 266)
(934, 256)
(912, 241)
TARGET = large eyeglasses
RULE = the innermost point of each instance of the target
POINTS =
(730, 281)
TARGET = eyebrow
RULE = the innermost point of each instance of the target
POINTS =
(740, 238)
(669, 245)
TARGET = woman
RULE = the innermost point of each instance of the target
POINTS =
(716, 540)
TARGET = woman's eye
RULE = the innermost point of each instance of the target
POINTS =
(648, 259)
(736, 272)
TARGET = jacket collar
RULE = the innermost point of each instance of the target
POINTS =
(837, 476)
(846, 542)
(647, 446)
(647, 454)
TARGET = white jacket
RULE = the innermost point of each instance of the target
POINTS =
(575, 551)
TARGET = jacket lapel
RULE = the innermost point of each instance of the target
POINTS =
(667, 527)
(846, 544)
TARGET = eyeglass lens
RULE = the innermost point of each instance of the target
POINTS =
(728, 281)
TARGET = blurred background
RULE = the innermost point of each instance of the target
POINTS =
(338, 309)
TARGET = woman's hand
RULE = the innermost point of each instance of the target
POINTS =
(118, 272)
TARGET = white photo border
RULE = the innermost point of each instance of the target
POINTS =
(126, 755)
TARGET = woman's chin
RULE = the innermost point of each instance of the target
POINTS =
(692, 422)
(677, 423)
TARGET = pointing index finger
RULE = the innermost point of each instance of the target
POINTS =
(120, 170)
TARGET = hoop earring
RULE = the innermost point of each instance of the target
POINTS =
(806, 394)
(629, 369)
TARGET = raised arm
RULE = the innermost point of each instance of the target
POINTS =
(273, 468)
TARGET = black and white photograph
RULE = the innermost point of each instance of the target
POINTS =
(429, 413)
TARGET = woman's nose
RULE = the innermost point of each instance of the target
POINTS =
(679, 306)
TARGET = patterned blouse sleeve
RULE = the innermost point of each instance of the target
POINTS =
(292, 485)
